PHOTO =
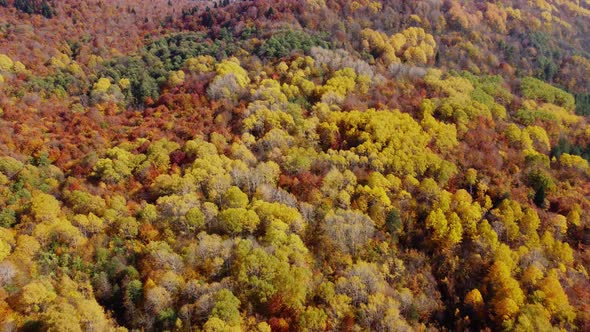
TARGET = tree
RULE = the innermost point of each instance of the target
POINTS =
(37, 296)
(89, 224)
(529, 222)
(226, 308)
(85, 203)
(349, 231)
(280, 212)
(4, 249)
(62, 317)
(174, 210)
(8, 165)
(541, 182)
(176, 78)
(341, 83)
(360, 281)
(238, 220)
(195, 220)
(507, 295)
(231, 79)
(118, 165)
(215, 324)
(158, 153)
(509, 213)
(42, 7)
(533, 317)
(437, 221)
(474, 300)
(262, 276)
(283, 43)
(210, 254)
(127, 227)
(6, 64)
(44, 207)
(313, 319)
(533, 88)
(382, 313)
(157, 299)
(234, 198)
(554, 299)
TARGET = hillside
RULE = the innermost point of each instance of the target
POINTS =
(313, 165)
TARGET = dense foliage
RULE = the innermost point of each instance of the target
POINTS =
(318, 165)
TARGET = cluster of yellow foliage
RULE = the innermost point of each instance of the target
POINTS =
(373, 6)
(412, 45)
(200, 64)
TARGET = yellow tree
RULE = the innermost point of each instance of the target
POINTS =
(507, 297)
(552, 295)
(44, 207)
(37, 295)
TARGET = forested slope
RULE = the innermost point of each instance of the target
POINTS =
(294, 165)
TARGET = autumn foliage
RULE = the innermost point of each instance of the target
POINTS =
(317, 165)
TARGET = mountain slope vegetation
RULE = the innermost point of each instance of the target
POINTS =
(317, 165)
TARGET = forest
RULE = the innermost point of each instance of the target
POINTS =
(294, 165)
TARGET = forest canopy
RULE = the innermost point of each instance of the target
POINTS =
(317, 165)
